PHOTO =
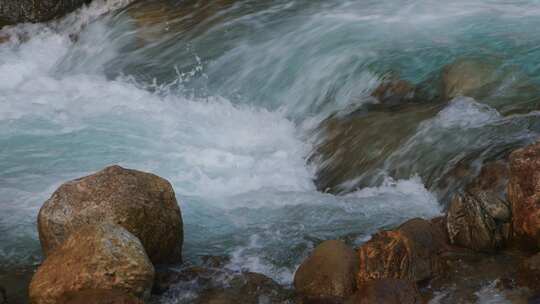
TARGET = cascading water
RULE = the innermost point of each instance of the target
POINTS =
(222, 97)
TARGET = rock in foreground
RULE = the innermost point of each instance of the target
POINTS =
(142, 203)
(19, 11)
(410, 252)
(386, 291)
(105, 258)
(524, 195)
(479, 218)
(329, 273)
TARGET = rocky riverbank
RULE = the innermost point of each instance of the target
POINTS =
(98, 233)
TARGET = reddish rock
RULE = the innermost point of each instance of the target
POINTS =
(329, 273)
(142, 203)
(410, 252)
(386, 291)
(101, 257)
(524, 195)
(529, 273)
(101, 297)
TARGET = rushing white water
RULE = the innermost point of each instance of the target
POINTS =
(224, 112)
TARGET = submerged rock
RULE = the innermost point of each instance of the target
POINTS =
(394, 92)
(466, 77)
(466, 272)
(247, 288)
(351, 148)
(329, 273)
(529, 273)
(524, 195)
(386, 291)
(142, 203)
(410, 252)
(19, 11)
(99, 257)
(480, 218)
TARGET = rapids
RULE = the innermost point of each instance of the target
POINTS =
(223, 99)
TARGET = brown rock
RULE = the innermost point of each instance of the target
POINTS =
(247, 288)
(142, 203)
(328, 273)
(101, 297)
(18, 11)
(410, 252)
(351, 148)
(529, 273)
(386, 291)
(524, 195)
(102, 257)
(393, 92)
(465, 77)
(479, 218)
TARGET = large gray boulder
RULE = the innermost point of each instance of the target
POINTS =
(18, 11)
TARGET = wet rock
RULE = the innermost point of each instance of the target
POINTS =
(466, 272)
(524, 195)
(410, 252)
(3, 295)
(529, 273)
(480, 217)
(394, 92)
(386, 291)
(466, 77)
(101, 297)
(247, 288)
(19, 11)
(329, 273)
(470, 224)
(102, 257)
(351, 148)
(142, 203)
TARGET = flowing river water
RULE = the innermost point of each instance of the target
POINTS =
(223, 98)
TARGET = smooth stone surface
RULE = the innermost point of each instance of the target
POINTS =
(103, 257)
(142, 203)
(329, 272)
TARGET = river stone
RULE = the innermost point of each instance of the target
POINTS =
(466, 76)
(329, 272)
(480, 217)
(101, 257)
(410, 252)
(394, 92)
(386, 291)
(102, 297)
(349, 149)
(142, 203)
(529, 273)
(246, 288)
(524, 195)
(19, 11)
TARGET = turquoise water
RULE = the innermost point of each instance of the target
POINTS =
(222, 98)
